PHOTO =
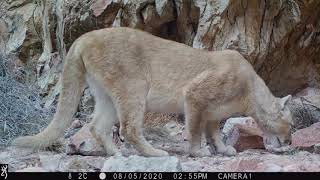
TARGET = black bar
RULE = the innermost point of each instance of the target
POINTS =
(160, 175)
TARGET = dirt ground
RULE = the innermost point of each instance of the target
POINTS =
(249, 160)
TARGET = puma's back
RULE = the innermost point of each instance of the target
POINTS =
(166, 66)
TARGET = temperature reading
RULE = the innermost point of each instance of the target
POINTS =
(82, 176)
(70, 176)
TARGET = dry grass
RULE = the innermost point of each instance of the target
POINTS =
(21, 112)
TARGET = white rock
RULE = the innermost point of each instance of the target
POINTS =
(228, 126)
(173, 128)
(273, 168)
(139, 164)
(84, 143)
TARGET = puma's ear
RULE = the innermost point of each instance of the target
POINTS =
(284, 101)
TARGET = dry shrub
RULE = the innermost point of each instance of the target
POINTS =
(21, 112)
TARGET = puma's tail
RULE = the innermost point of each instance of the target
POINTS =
(73, 83)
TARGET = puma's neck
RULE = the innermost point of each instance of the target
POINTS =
(263, 102)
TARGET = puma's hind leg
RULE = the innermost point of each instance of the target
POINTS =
(101, 128)
(105, 116)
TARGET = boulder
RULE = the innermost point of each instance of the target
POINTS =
(136, 163)
(307, 138)
(305, 108)
(247, 138)
(272, 35)
(243, 133)
(229, 124)
(84, 143)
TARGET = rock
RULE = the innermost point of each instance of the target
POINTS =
(192, 166)
(86, 105)
(76, 124)
(306, 138)
(317, 148)
(301, 167)
(165, 9)
(141, 164)
(32, 169)
(228, 126)
(74, 128)
(305, 108)
(248, 138)
(243, 133)
(84, 143)
(250, 28)
(187, 19)
(243, 164)
(99, 6)
(81, 163)
(267, 33)
(267, 162)
(161, 125)
(173, 128)
(19, 158)
(309, 91)
(273, 168)
(50, 162)
(19, 22)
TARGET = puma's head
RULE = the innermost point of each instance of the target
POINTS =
(280, 127)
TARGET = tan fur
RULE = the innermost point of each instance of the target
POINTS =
(132, 72)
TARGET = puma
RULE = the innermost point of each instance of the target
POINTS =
(131, 72)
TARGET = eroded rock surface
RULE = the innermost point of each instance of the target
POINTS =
(142, 164)
(280, 38)
(307, 138)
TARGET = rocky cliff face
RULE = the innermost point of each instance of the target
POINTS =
(280, 38)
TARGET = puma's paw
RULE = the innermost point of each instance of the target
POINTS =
(230, 151)
(155, 153)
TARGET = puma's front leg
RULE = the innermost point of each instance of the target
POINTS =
(131, 111)
(195, 129)
(214, 140)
